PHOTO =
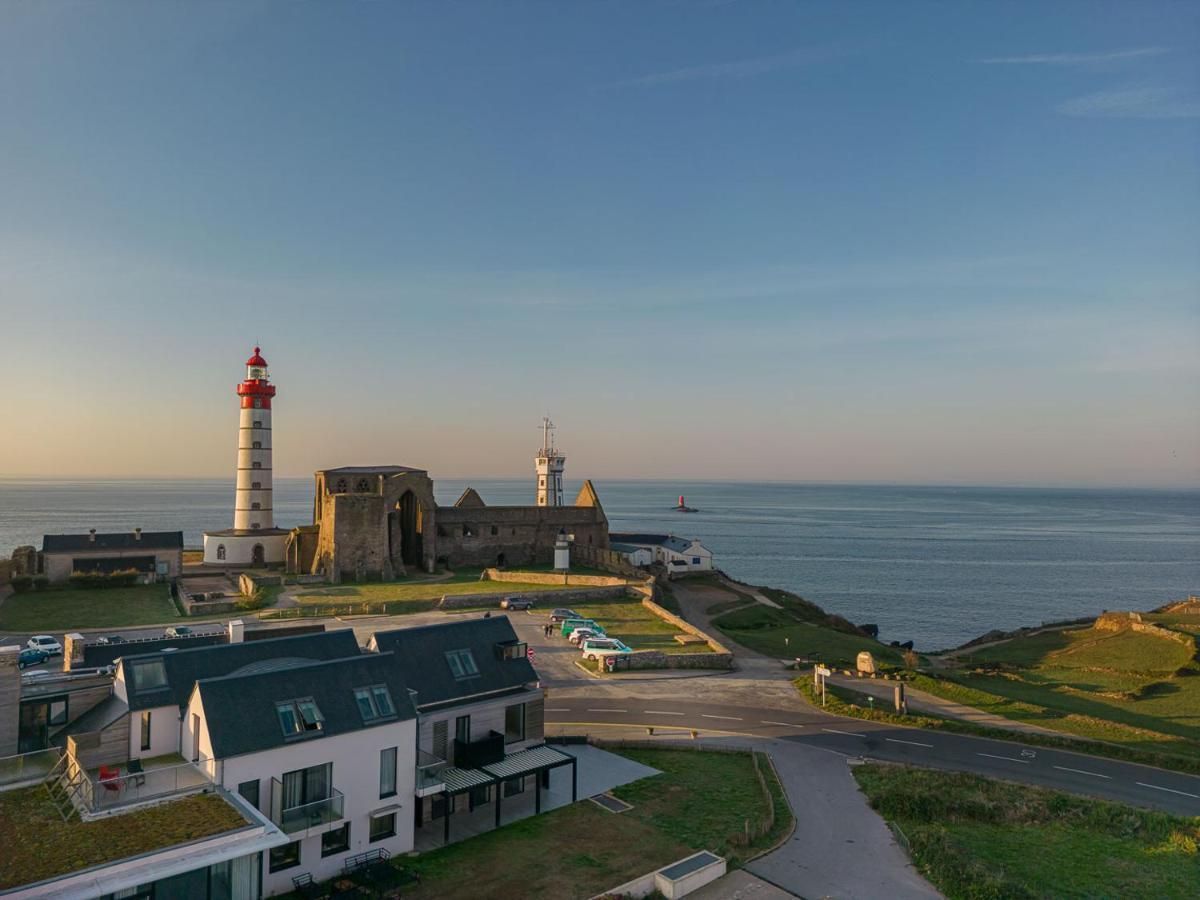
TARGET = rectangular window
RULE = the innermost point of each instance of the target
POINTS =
(336, 841)
(387, 772)
(256, 485)
(249, 792)
(257, 423)
(257, 445)
(695, 560)
(145, 729)
(514, 786)
(148, 675)
(297, 717)
(383, 827)
(256, 465)
(495, 530)
(383, 700)
(462, 729)
(285, 857)
(462, 663)
(514, 723)
(304, 786)
(374, 702)
(58, 712)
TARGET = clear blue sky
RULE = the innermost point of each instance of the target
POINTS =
(912, 242)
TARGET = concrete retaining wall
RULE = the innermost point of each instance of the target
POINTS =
(566, 578)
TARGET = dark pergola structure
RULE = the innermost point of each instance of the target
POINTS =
(534, 761)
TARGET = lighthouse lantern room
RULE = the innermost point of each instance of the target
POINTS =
(253, 540)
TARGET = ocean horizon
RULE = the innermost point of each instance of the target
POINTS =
(934, 564)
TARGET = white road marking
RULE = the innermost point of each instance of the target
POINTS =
(606, 709)
(1082, 772)
(1169, 790)
(847, 733)
(558, 709)
(1005, 758)
(663, 712)
(914, 743)
(785, 724)
(730, 718)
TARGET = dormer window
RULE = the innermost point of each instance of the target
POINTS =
(462, 663)
(148, 675)
(374, 702)
(512, 650)
(300, 717)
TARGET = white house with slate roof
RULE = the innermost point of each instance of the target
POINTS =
(326, 750)
(675, 553)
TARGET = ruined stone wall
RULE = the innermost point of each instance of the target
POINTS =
(354, 538)
(525, 535)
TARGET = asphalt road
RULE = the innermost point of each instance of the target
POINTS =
(806, 727)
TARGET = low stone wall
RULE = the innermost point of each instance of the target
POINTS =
(1118, 621)
(565, 578)
(564, 597)
(683, 625)
(249, 584)
(656, 659)
(209, 607)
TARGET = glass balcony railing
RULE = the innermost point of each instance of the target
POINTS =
(429, 769)
(309, 815)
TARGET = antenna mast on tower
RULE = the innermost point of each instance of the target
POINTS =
(549, 464)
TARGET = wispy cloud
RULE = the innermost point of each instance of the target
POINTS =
(742, 68)
(1133, 103)
(1074, 59)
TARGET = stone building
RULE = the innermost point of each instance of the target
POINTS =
(157, 555)
(379, 522)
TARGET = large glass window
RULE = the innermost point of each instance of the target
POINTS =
(307, 785)
(462, 729)
(145, 729)
(462, 663)
(387, 772)
(249, 792)
(336, 841)
(383, 827)
(149, 675)
(285, 857)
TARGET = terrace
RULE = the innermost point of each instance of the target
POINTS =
(105, 788)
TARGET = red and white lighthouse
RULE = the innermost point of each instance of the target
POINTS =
(254, 539)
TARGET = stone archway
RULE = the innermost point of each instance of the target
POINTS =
(406, 526)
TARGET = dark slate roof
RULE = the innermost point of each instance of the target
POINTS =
(99, 717)
(679, 545)
(421, 658)
(186, 667)
(124, 540)
(240, 709)
(96, 655)
(370, 470)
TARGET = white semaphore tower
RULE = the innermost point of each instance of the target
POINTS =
(253, 539)
(550, 464)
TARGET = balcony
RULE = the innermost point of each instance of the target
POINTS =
(476, 754)
(307, 815)
(429, 774)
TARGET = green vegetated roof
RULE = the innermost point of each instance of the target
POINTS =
(37, 844)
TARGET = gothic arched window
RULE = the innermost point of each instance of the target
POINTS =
(220, 551)
(341, 486)
(363, 486)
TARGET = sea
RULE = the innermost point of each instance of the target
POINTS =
(935, 565)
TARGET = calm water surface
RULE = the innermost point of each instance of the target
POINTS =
(935, 564)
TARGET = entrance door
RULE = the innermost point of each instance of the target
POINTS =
(258, 556)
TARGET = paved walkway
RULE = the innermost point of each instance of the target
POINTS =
(740, 885)
(924, 702)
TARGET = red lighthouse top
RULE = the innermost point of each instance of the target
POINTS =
(256, 359)
(256, 391)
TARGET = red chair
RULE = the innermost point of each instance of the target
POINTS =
(110, 779)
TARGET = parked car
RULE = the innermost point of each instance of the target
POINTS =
(570, 625)
(516, 603)
(178, 631)
(562, 614)
(594, 648)
(579, 635)
(45, 643)
(31, 657)
(110, 639)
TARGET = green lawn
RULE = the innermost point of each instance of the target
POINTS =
(1117, 686)
(38, 844)
(415, 594)
(700, 802)
(973, 838)
(779, 634)
(67, 609)
(629, 621)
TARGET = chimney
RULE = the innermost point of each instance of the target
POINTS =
(236, 631)
(73, 645)
(92, 535)
(137, 534)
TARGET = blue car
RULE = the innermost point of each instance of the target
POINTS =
(31, 657)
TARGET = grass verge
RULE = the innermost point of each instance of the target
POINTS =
(67, 609)
(630, 622)
(700, 802)
(780, 634)
(845, 702)
(973, 837)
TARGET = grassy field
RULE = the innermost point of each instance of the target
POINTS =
(781, 634)
(38, 844)
(415, 594)
(68, 608)
(699, 802)
(1125, 687)
(974, 838)
(629, 621)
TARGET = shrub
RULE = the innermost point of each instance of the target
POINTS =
(101, 580)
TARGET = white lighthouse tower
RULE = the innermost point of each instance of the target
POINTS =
(253, 539)
(550, 464)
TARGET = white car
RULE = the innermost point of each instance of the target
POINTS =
(45, 643)
(579, 635)
(594, 648)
